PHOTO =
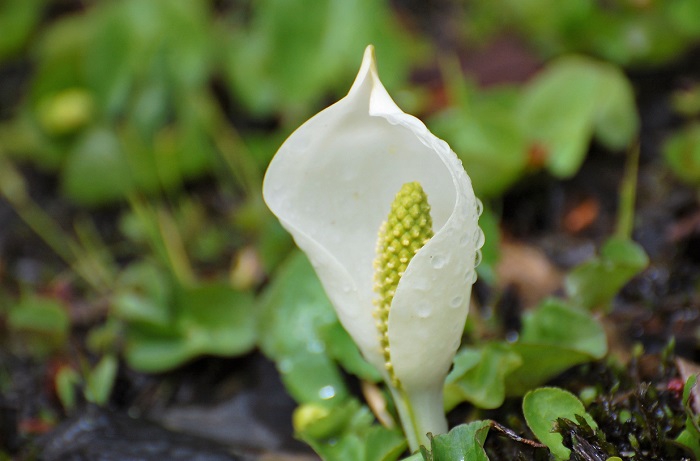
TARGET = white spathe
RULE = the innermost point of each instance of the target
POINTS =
(332, 183)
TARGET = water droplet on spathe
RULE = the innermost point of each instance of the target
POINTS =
(479, 207)
(439, 261)
(477, 258)
(479, 237)
(326, 392)
(423, 309)
(456, 301)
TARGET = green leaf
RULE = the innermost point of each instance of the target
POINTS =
(554, 337)
(100, 380)
(484, 132)
(464, 442)
(384, 444)
(143, 294)
(211, 318)
(690, 437)
(596, 282)
(342, 348)
(347, 432)
(66, 381)
(543, 406)
(96, 171)
(478, 376)
(293, 312)
(682, 153)
(17, 20)
(289, 53)
(570, 101)
(41, 315)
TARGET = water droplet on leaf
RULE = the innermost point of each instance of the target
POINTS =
(326, 392)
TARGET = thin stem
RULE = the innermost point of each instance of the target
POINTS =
(628, 189)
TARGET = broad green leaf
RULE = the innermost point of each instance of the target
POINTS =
(347, 432)
(143, 294)
(486, 135)
(96, 170)
(293, 312)
(572, 100)
(596, 282)
(478, 376)
(543, 406)
(384, 444)
(211, 318)
(289, 53)
(342, 348)
(38, 326)
(554, 337)
(41, 315)
(464, 442)
(556, 324)
(216, 319)
(17, 20)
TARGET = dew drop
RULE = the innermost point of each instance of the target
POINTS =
(423, 309)
(315, 347)
(479, 237)
(477, 258)
(326, 392)
(479, 207)
(456, 301)
(512, 336)
(439, 261)
(421, 284)
(464, 240)
(474, 277)
(285, 366)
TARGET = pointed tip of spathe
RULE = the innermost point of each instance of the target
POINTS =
(367, 68)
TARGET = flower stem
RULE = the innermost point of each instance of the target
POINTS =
(420, 412)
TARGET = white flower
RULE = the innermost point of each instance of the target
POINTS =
(331, 185)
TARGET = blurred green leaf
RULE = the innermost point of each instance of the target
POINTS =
(570, 101)
(100, 380)
(143, 294)
(596, 282)
(482, 129)
(347, 432)
(690, 437)
(18, 18)
(293, 313)
(463, 442)
(290, 53)
(543, 406)
(342, 348)
(38, 326)
(96, 170)
(66, 381)
(210, 318)
(682, 153)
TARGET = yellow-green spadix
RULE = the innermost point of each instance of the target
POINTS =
(332, 184)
